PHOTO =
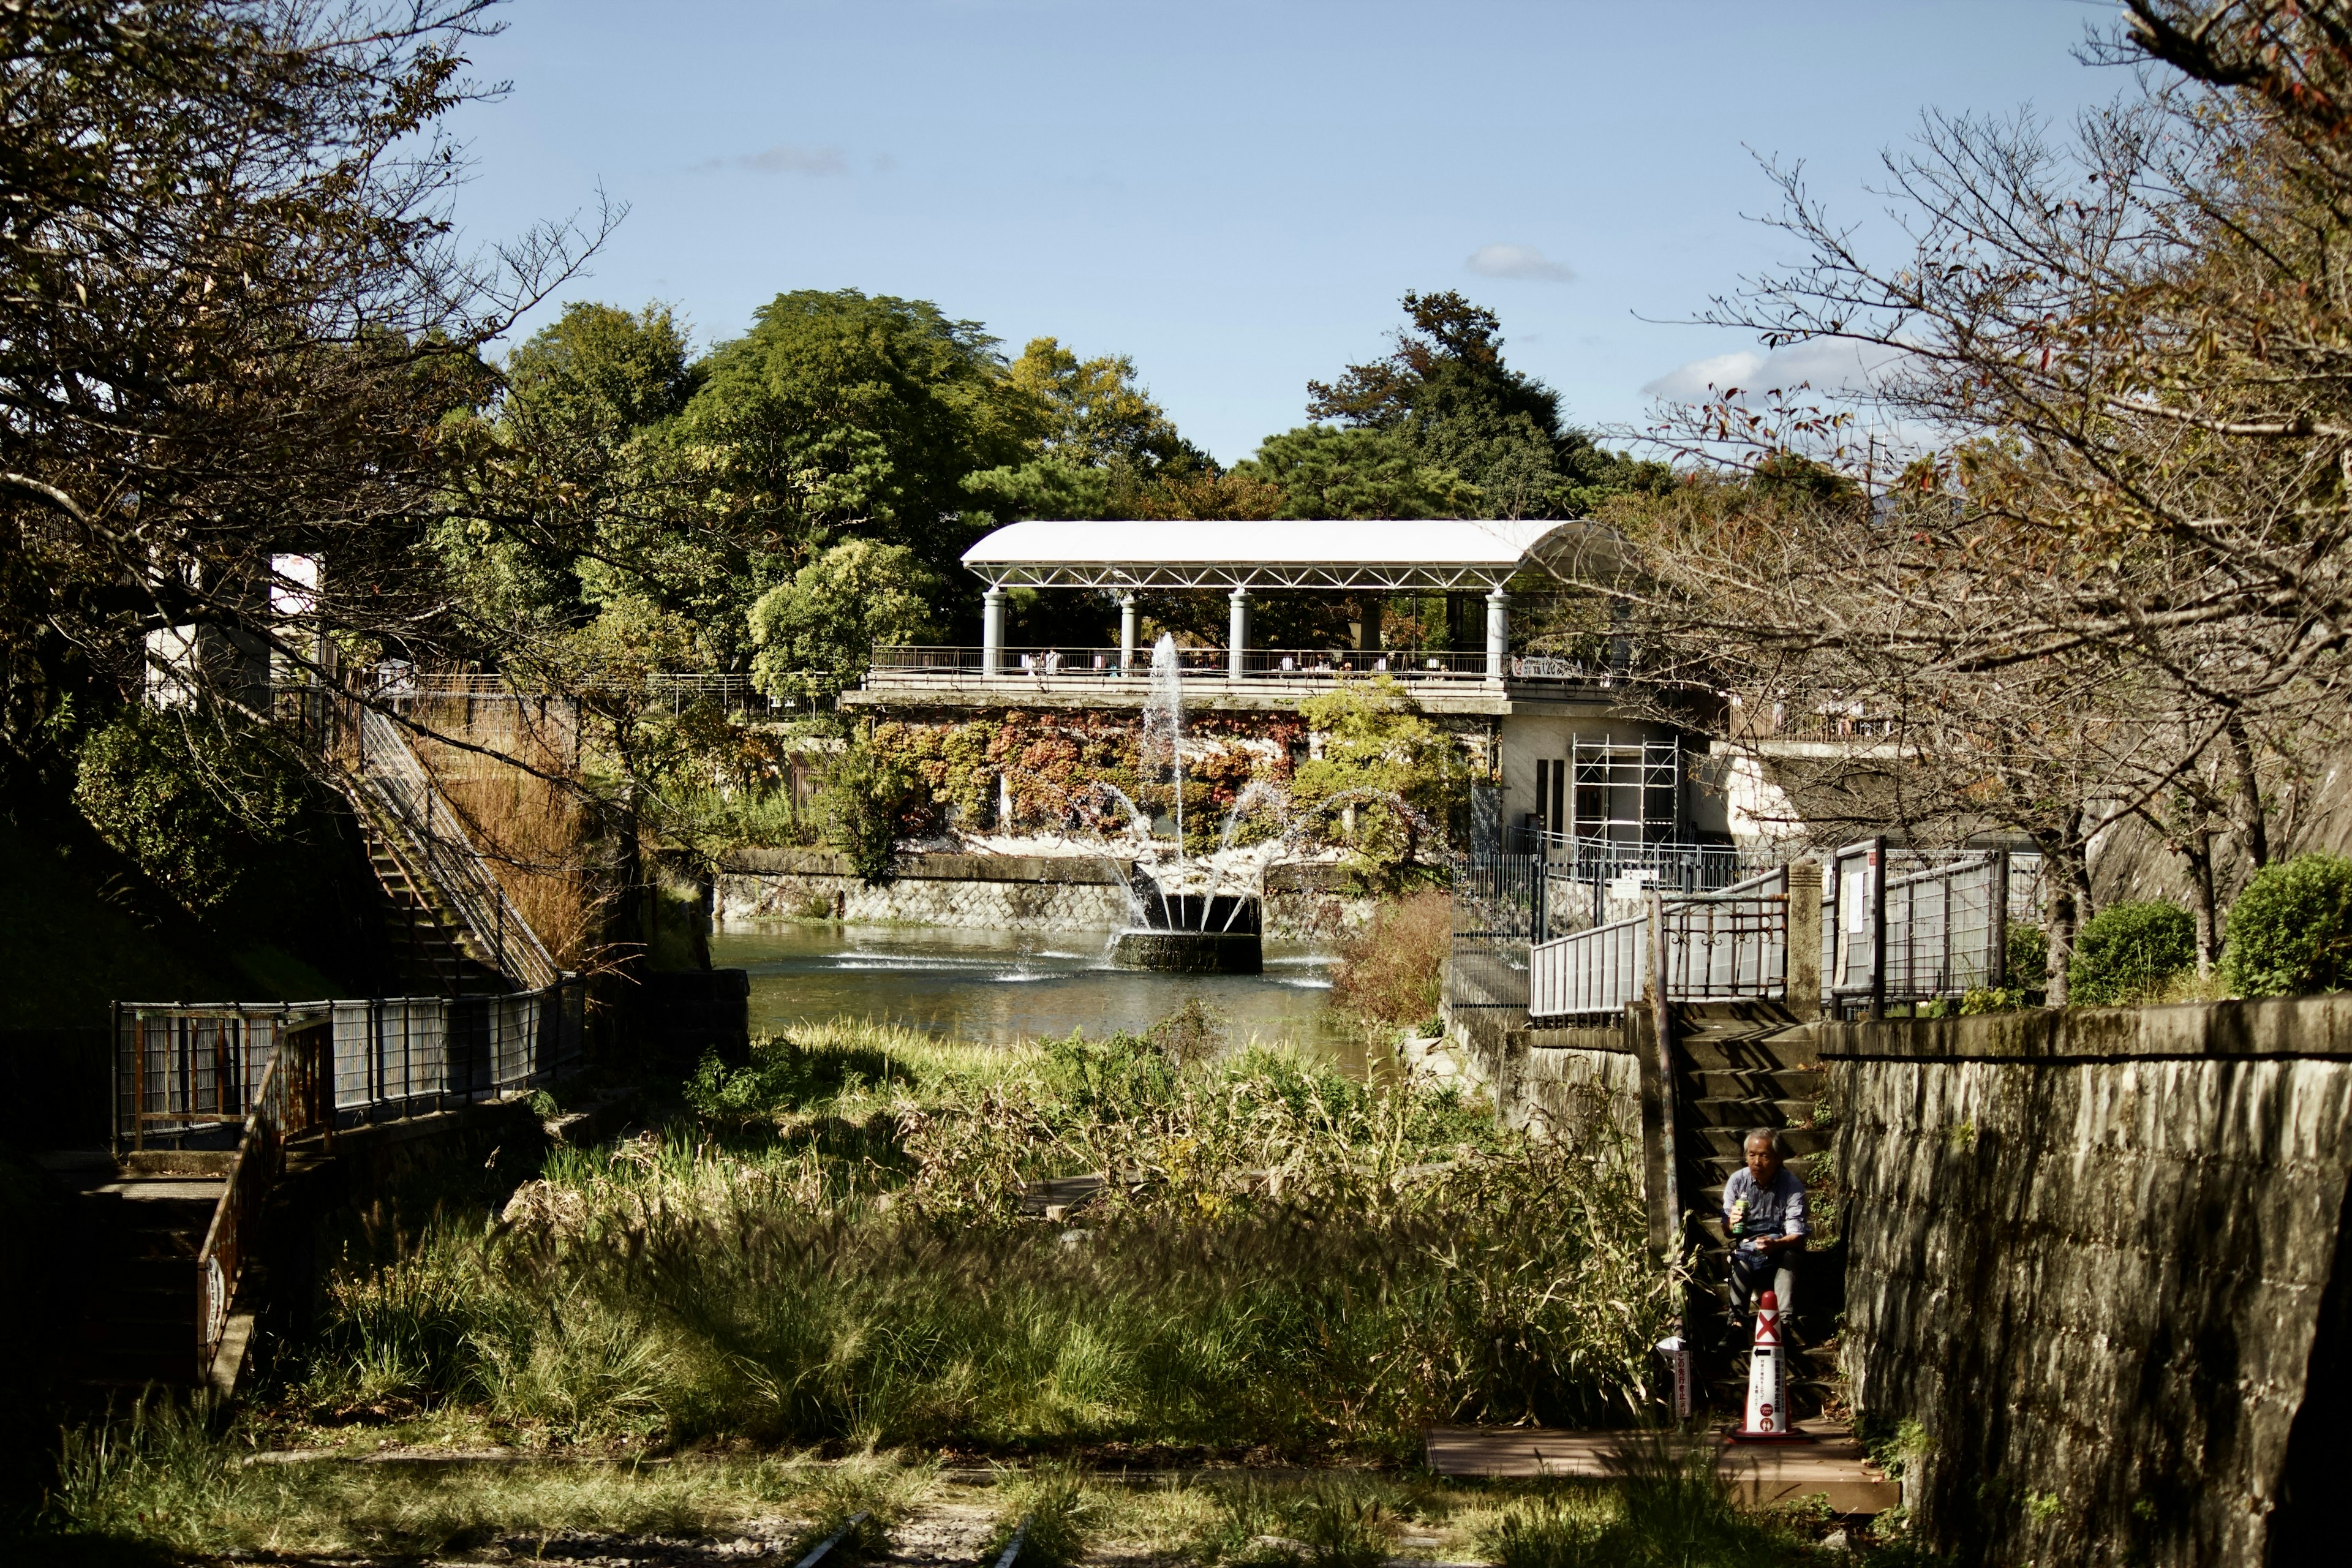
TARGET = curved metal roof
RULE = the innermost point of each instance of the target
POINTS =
(1395, 554)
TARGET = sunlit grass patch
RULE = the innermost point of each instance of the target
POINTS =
(176, 1475)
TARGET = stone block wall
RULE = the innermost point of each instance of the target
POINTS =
(2091, 1255)
(1580, 1085)
(999, 892)
(1004, 892)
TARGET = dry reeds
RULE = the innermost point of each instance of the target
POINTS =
(1388, 972)
(528, 821)
(835, 1249)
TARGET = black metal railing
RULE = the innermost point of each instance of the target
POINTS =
(184, 1071)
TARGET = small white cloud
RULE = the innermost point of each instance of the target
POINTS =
(1688, 384)
(1822, 364)
(785, 159)
(1522, 261)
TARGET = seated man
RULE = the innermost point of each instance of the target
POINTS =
(1764, 1217)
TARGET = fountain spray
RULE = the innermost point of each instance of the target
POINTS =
(1163, 725)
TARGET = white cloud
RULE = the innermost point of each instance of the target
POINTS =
(785, 159)
(1688, 384)
(1522, 261)
(1823, 365)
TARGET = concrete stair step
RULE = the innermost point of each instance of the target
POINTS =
(1750, 1053)
(1754, 1083)
(1743, 1112)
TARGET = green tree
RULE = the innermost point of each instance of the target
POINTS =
(1094, 412)
(817, 634)
(575, 503)
(840, 414)
(204, 830)
(1325, 471)
(1387, 783)
(1449, 400)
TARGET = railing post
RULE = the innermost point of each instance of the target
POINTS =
(1801, 961)
(1876, 885)
(1665, 1199)
(1997, 923)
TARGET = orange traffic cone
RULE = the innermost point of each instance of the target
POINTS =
(1767, 1383)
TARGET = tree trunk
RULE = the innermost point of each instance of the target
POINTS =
(2065, 879)
(2254, 826)
(2197, 848)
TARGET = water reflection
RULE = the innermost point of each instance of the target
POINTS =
(1003, 986)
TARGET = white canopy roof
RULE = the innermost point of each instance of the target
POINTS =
(1397, 555)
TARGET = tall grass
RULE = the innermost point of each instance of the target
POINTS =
(530, 826)
(178, 1476)
(1388, 972)
(833, 1247)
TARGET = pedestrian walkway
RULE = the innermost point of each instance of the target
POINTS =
(1761, 1474)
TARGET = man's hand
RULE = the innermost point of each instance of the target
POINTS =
(1777, 1242)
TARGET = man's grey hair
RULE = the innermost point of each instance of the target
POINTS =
(1772, 1141)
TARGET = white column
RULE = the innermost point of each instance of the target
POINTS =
(992, 631)
(1237, 644)
(1498, 634)
(1126, 634)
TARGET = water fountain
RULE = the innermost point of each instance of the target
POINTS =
(1175, 926)
(1193, 913)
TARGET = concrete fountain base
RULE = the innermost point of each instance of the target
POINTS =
(1188, 951)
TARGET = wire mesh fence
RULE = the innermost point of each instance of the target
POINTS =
(1499, 914)
(189, 1070)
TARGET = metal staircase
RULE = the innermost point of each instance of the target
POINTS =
(454, 929)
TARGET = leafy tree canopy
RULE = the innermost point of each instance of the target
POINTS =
(1387, 762)
(1323, 470)
(1447, 401)
(816, 633)
(843, 413)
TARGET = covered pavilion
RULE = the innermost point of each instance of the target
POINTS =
(1255, 557)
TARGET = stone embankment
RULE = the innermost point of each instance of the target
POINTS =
(2095, 1272)
(997, 892)
(2098, 1258)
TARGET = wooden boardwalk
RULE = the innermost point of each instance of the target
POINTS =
(1760, 1474)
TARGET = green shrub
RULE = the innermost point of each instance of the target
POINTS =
(1983, 1000)
(2126, 952)
(201, 814)
(2290, 933)
(2027, 955)
(864, 798)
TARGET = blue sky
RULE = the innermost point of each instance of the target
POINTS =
(1234, 195)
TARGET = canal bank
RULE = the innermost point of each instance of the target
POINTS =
(999, 892)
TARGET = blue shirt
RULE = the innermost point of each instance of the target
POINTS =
(1752, 1212)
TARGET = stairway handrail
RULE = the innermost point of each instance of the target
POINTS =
(294, 1096)
(393, 775)
(1600, 969)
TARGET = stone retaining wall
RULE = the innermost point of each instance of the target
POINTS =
(1575, 1085)
(999, 892)
(2091, 1255)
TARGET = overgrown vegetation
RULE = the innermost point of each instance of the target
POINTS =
(2291, 929)
(1389, 972)
(182, 1486)
(832, 1246)
(2129, 951)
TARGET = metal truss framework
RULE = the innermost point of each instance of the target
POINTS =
(1130, 576)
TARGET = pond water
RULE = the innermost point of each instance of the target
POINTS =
(1003, 986)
